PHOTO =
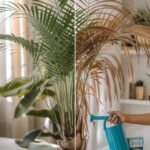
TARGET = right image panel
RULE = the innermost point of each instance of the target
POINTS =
(112, 74)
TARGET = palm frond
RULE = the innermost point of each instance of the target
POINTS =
(54, 28)
(108, 25)
(52, 51)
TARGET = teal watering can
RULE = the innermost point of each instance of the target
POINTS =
(114, 134)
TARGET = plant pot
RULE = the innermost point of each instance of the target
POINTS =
(75, 143)
(139, 90)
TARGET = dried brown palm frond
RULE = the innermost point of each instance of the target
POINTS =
(108, 23)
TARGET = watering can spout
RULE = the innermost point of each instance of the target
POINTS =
(91, 118)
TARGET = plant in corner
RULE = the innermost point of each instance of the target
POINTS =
(141, 17)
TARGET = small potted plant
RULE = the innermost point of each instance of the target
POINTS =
(142, 17)
(139, 90)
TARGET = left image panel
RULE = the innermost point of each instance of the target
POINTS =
(37, 96)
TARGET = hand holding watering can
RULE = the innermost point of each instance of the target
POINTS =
(117, 116)
(114, 134)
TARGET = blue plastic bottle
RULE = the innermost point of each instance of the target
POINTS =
(115, 134)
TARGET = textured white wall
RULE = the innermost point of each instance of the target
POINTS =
(135, 4)
(140, 70)
(97, 138)
(133, 130)
(140, 3)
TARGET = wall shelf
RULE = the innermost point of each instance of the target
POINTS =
(135, 102)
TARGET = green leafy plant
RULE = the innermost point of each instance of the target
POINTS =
(29, 137)
(52, 54)
(142, 16)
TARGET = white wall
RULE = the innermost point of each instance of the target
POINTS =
(140, 3)
(140, 69)
(133, 130)
(135, 4)
(97, 138)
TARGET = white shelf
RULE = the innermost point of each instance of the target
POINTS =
(135, 102)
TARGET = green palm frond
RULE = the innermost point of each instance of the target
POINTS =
(142, 16)
(66, 101)
(54, 29)
(33, 48)
(52, 53)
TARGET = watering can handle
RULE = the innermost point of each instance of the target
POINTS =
(105, 118)
(105, 122)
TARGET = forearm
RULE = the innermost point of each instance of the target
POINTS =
(138, 119)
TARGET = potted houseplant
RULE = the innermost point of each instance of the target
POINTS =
(94, 30)
(142, 17)
(139, 90)
(109, 24)
(52, 78)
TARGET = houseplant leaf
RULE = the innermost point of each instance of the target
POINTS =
(26, 102)
(52, 52)
(15, 87)
(53, 114)
(46, 113)
(48, 92)
(29, 137)
(40, 113)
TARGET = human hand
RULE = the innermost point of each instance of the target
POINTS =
(114, 118)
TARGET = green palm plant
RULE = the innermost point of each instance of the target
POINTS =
(52, 78)
(142, 16)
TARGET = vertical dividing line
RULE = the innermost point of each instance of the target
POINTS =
(75, 8)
